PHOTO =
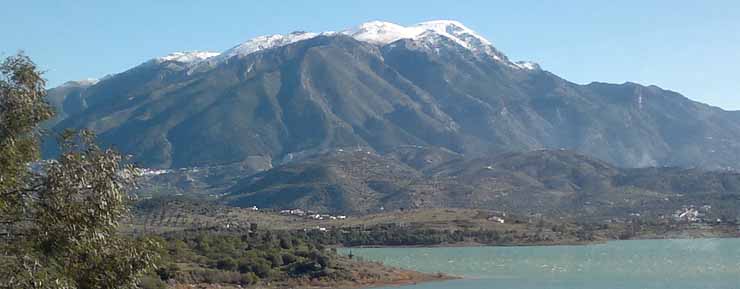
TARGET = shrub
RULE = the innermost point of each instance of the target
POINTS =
(226, 264)
(152, 282)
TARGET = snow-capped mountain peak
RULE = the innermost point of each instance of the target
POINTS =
(187, 57)
(373, 32)
(528, 65)
(383, 33)
(456, 31)
(81, 82)
(264, 42)
(380, 32)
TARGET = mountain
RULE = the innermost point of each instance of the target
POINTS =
(555, 183)
(385, 86)
(68, 99)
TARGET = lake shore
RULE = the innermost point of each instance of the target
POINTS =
(678, 235)
(370, 275)
(434, 228)
(364, 275)
(694, 263)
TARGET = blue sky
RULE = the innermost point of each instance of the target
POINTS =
(692, 47)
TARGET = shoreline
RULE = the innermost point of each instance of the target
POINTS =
(414, 279)
(424, 278)
(545, 244)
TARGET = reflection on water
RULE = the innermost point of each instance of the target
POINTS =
(689, 264)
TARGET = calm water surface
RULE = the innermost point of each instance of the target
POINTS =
(651, 264)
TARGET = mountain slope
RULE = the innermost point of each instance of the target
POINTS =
(383, 86)
(68, 99)
(351, 181)
(554, 183)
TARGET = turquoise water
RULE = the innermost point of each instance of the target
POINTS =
(650, 264)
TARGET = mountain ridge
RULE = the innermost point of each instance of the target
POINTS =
(332, 91)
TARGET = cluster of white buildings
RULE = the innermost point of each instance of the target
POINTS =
(294, 212)
(317, 228)
(153, 172)
(312, 215)
(692, 213)
(687, 214)
(497, 219)
(327, 217)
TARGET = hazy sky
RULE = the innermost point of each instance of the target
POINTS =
(692, 47)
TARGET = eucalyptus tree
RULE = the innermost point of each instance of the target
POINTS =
(59, 219)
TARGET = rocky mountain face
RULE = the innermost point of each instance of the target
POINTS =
(383, 86)
(68, 99)
(554, 183)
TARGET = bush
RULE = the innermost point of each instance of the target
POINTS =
(276, 260)
(167, 272)
(152, 282)
(285, 244)
(249, 279)
(260, 267)
(304, 268)
(221, 277)
(289, 258)
(226, 264)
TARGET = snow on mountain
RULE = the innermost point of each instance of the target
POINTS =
(374, 32)
(457, 32)
(81, 82)
(264, 42)
(383, 33)
(379, 32)
(527, 65)
(187, 57)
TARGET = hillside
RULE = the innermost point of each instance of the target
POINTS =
(552, 183)
(343, 181)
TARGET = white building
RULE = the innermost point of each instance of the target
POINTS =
(687, 214)
(497, 219)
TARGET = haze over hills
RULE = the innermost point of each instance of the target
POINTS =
(383, 86)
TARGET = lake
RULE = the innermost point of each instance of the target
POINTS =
(644, 264)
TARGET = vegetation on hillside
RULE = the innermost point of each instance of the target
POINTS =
(554, 183)
(246, 258)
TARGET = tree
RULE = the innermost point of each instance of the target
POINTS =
(59, 222)
(22, 108)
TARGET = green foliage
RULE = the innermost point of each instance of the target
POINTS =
(228, 257)
(150, 282)
(249, 256)
(22, 108)
(61, 222)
